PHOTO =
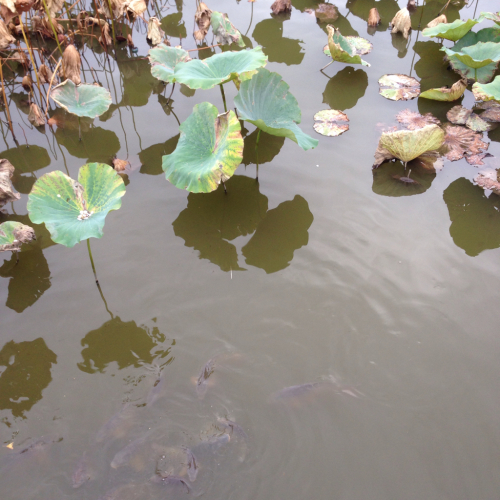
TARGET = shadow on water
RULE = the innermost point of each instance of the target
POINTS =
(173, 25)
(387, 10)
(475, 218)
(151, 157)
(123, 343)
(269, 147)
(430, 10)
(25, 369)
(269, 34)
(344, 90)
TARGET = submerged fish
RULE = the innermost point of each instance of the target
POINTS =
(201, 383)
(174, 481)
(192, 466)
(132, 454)
(119, 424)
(176, 461)
(82, 473)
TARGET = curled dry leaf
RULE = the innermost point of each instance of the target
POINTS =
(35, 116)
(5, 37)
(44, 73)
(13, 235)
(27, 82)
(47, 28)
(71, 64)
(461, 141)
(6, 189)
(413, 121)
(440, 19)
(331, 122)
(458, 115)
(13, 8)
(105, 38)
(119, 165)
(281, 6)
(373, 17)
(134, 8)
(411, 6)
(155, 33)
(476, 159)
(81, 19)
(486, 183)
(202, 17)
(447, 94)
(21, 58)
(326, 13)
(399, 87)
(401, 23)
(54, 6)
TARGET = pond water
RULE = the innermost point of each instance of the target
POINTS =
(382, 298)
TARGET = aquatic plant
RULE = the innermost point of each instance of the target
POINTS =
(451, 31)
(13, 235)
(487, 91)
(446, 94)
(343, 49)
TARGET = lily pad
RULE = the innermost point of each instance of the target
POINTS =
(476, 123)
(74, 211)
(266, 102)
(361, 45)
(409, 144)
(413, 121)
(82, 100)
(219, 68)
(451, 31)
(164, 59)
(487, 91)
(13, 235)
(446, 94)
(399, 87)
(458, 115)
(492, 114)
(491, 16)
(341, 49)
(209, 150)
(224, 30)
(331, 122)
(476, 56)
(461, 141)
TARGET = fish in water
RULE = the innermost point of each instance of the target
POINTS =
(201, 383)
(82, 472)
(174, 481)
(175, 461)
(237, 434)
(130, 453)
(192, 466)
(119, 424)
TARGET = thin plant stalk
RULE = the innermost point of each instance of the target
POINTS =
(51, 25)
(96, 280)
(257, 155)
(112, 20)
(50, 86)
(223, 97)
(30, 52)
(7, 112)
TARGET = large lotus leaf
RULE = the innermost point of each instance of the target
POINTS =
(341, 49)
(224, 31)
(473, 37)
(82, 100)
(451, 31)
(74, 211)
(219, 68)
(487, 91)
(209, 150)
(446, 94)
(164, 59)
(476, 56)
(266, 102)
(409, 144)
(495, 17)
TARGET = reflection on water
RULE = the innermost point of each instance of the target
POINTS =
(387, 10)
(283, 230)
(344, 89)
(173, 25)
(475, 218)
(433, 8)
(269, 34)
(151, 158)
(269, 147)
(123, 343)
(25, 373)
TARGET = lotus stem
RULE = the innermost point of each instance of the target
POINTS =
(96, 280)
(30, 52)
(223, 97)
(326, 65)
(79, 131)
(251, 20)
(257, 155)
(7, 112)
(475, 74)
(50, 86)
(112, 20)
(51, 25)
(173, 87)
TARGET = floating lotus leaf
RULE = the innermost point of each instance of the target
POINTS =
(458, 115)
(487, 91)
(209, 150)
(495, 17)
(476, 56)
(82, 100)
(341, 49)
(266, 102)
(461, 141)
(476, 123)
(451, 31)
(409, 144)
(413, 121)
(74, 211)
(219, 68)
(13, 235)
(446, 94)
(473, 37)
(361, 45)
(164, 59)
(399, 87)
(492, 114)
(331, 122)
(224, 31)
(7, 193)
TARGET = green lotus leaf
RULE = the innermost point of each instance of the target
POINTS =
(266, 102)
(82, 100)
(446, 94)
(341, 49)
(13, 234)
(476, 56)
(473, 37)
(451, 31)
(219, 68)
(163, 61)
(491, 16)
(209, 150)
(409, 144)
(487, 91)
(74, 211)
(224, 31)
(361, 45)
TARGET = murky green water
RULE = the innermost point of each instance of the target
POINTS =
(320, 272)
